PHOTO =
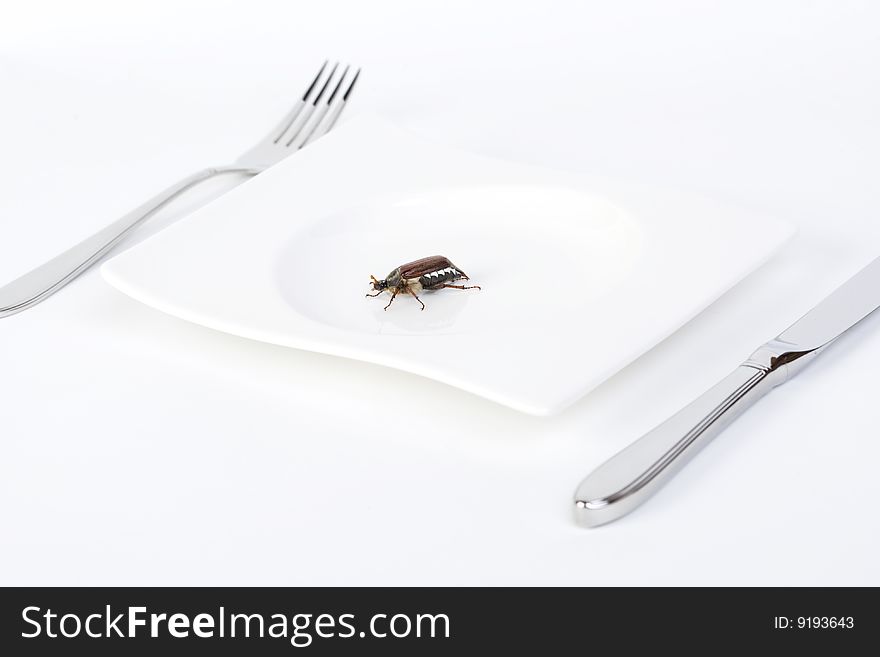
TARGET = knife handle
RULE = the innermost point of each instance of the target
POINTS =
(631, 476)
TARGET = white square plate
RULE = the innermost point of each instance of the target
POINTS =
(579, 275)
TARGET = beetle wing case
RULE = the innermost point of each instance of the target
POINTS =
(431, 272)
(422, 266)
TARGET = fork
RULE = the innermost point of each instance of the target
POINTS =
(309, 119)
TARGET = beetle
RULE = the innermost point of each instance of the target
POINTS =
(431, 273)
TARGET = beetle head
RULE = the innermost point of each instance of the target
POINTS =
(377, 284)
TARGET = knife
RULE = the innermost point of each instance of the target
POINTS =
(631, 476)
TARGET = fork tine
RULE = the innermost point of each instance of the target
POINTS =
(292, 115)
(338, 85)
(305, 96)
(335, 112)
(351, 86)
(310, 107)
(321, 113)
(326, 84)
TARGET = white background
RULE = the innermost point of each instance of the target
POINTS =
(138, 449)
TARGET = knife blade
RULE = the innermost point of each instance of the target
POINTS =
(842, 309)
(634, 474)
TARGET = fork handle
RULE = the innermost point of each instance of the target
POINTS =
(631, 476)
(42, 282)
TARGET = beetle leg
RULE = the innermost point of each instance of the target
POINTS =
(375, 295)
(393, 294)
(417, 298)
(464, 287)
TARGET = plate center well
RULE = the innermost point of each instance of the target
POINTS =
(534, 250)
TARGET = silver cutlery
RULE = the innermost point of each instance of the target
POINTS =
(313, 115)
(630, 477)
